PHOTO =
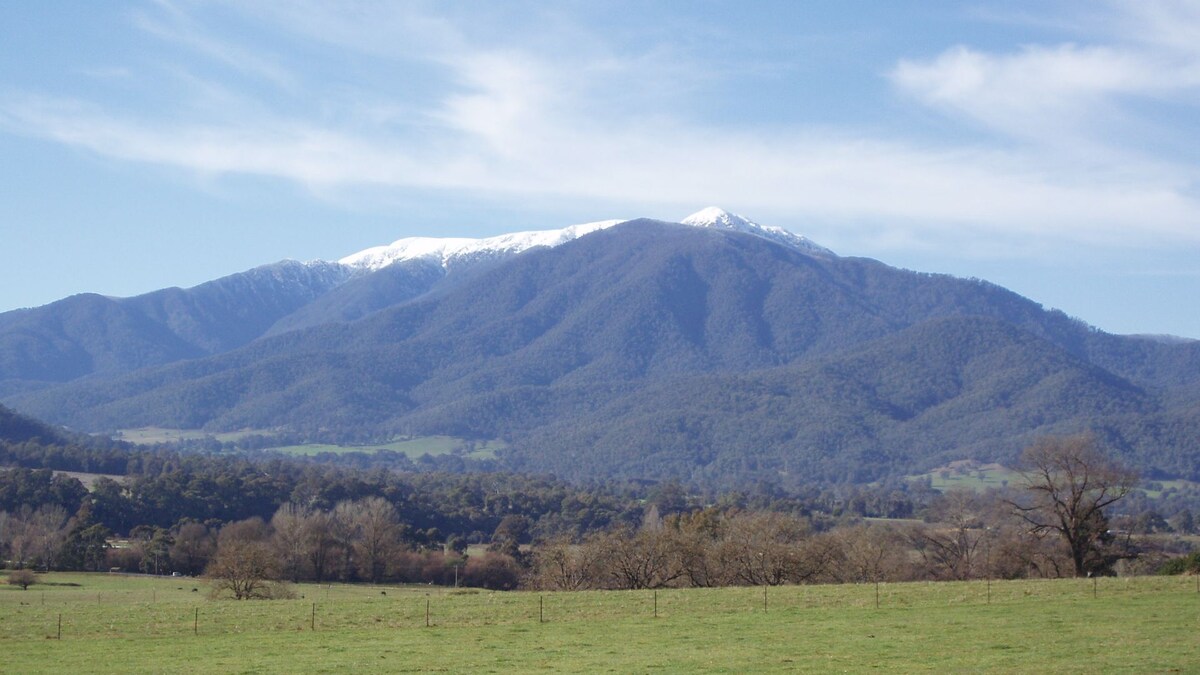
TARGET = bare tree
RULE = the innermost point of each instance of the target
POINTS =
(769, 549)
(320, 543)
(290, 539)
(376, 528)
(698, 538)
(950, 546)
(34, 536)
(23, 578)
(1069, 483)
(869, 553)
(245, 568)
(560, 565)
(634, 560)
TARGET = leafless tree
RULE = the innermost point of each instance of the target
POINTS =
(869, 553)
(375, 526)
(698, 538)
(560, 565)
(34, 536)
(769, 549)
(245, 568)
(290, 539)
(1068, 484)
(23, 578)
(632, 560)
(951, 545)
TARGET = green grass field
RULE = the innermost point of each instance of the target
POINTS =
(414, 448)
(114, 623)
(969, 475)
(152, 435)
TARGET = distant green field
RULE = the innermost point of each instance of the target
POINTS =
(152, 435)
(970, 476)
(975, 476)
(124, 624)
(414, 447)
(1178, 485)
(431, 445)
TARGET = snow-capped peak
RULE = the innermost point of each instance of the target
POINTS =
(446, 252)
(718, 218)
(715, 216)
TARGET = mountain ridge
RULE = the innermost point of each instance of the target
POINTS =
(671, 351)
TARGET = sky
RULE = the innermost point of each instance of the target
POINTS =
(1050, 147)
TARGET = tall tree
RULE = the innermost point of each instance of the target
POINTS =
(291, 539)
(376, 530)
(1069, 482)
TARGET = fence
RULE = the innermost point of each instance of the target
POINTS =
(151, 607)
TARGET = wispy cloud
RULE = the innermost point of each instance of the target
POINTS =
(508, 121)
(174, 25)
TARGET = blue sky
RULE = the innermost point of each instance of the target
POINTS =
(1049, 147)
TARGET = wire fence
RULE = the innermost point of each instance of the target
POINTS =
(161, 608)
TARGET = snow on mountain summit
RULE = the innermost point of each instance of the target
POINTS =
(446, 252)
(449, 250)
(718, 218)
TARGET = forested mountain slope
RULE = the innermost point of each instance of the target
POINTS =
(659, 350)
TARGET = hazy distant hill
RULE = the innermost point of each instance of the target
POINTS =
(91, 334)
(650, 349)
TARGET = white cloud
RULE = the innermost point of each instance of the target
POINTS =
(513, 123)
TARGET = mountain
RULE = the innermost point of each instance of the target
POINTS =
(93, 335)
(90, 334)
(717, 350)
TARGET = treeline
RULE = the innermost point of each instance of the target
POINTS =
(313, 521)
(964, 536)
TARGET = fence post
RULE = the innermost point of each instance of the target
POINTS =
(427, 610)
(541, 610)
(656, 603)
(196, 623)
(313, 623)
(60, 626)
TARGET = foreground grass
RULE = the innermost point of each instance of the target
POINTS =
(132, 624)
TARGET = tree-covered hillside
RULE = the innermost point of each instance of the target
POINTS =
(658, 350)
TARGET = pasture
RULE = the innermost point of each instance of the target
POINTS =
(412, 447)
(116, 623)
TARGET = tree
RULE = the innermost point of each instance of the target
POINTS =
(320, 543)
(86, 547)
(1068, 484)
(635, 560)
(769, 549)
(376, 529)
(560, 565)
(193, 548)
(950, 547)
(291, 540)
(870, 553)
(244, 567)
(23, 578)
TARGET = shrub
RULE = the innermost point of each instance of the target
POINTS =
(1187, 564)
(23, 578)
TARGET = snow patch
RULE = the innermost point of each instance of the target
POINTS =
(720, 219)
(446, 252)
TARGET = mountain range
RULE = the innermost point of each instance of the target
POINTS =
(714, 350)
